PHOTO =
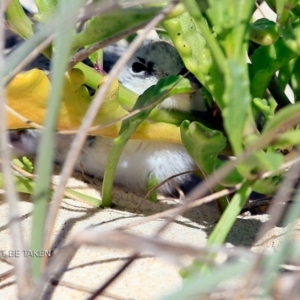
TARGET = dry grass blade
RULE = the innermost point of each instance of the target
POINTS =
(207, 185)
(21, 264)
(29, 58)
(258, 6)
(176, 210)
(152, 245)
(287, 286)
(113, 277)
(22, 118)
(84, 53)
(165, 181)
(168, 250)
(97, 8)
(283, 194)
(7, 274)
(87, 122)
(198, 202)
(58, 263)
(88, 290)
(122, 240)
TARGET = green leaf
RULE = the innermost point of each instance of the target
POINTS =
(291, 36)
(224, 225)
(230, 20)
(283, 119)
(231, 179)
(203, 144)
(46, 9)
(151, 97)
(295, 79)
(285, 73)
(24, 163)
(190, 44)
(152, 182)
(104, 27)
(287, 139)
(268, 161)
(187, 33)
(267, 186)
(283, 9)
(27, 185)
(259, 163)
(237, 99)
(97, 59)
(264, 32)
(265, 107)
(17, 19)
(266, 60)
(222, 229)
(44, 164)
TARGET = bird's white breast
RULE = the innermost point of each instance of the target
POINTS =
(139, 160)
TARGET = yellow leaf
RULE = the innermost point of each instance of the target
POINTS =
(28, 94)
(75, 101)
(158, 132)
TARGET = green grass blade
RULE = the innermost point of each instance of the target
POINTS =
(68, 10)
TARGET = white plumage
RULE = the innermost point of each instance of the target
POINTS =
(140, 158)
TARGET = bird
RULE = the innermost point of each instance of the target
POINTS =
(140, 159)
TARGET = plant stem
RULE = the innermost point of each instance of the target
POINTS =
(277, 92)
(17, 20)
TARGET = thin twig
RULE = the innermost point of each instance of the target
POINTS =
(77, 287)
(128, 115)
(58, 263)
(84, 53)
(284, 167)
(282, 195)
(29, 58)
(169, 250)
(258, 6)
(7, 274)
(165, 181)
(120, 239)
(113, 277)
(148, 219)
(207, 185)
(88, 119)
(176, 210)
(21, 264)
(87, 122)
(22, 118)
(97, 8)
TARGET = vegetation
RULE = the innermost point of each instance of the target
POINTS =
(244, 67)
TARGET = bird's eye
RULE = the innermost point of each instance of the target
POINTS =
(138, 67)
